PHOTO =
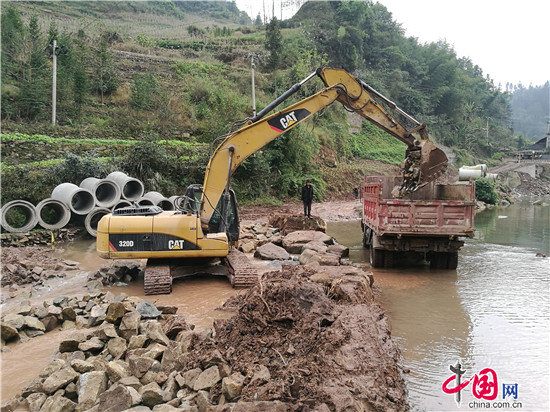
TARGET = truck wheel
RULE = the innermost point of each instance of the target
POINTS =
(376, 257)
(367, 237)
(452, 260)
(389, 259)
(439, 260)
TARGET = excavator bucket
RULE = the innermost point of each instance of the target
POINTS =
(423, 164)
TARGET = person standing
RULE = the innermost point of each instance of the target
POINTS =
(307, 198)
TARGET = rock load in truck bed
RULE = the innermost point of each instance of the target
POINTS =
(322, 345)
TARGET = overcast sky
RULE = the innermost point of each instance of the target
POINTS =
(508, 39)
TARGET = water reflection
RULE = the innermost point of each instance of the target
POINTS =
(492, 312)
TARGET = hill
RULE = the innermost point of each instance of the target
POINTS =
(180, 71)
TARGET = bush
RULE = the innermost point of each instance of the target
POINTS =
(485, 191)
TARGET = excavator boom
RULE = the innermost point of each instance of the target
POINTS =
(423, 163)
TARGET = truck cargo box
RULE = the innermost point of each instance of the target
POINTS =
(430, 221)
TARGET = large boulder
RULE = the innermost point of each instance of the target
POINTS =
(116, 398)
(59, 379)
(269, 251)
(147, 310)
(207, 379)
(295, 241)
(288, 224)
(90, 386)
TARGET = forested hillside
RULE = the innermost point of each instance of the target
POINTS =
(146, 72)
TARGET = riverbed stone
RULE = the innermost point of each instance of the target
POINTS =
(35, 401)
(190, 377)
(152, 394)
(92, 344)
(137, 341)
(115, 312)
(131, 381)
(294, 242)
(69, 345)
(139, 365)
(232, 386)
(316, 246)
(8, 332)
(117, 370)
(54, 366)
(269, 251)
(14, 320)
(33, 323)
(82, 366)
(147, 310)
(117, 347)
(90, 386)
(338, 250)
(129, 325)
(116, 398)
(59, 379)
(207, 379)
(54, 310)
(174, 326)
(68, 313)
(50, 323)
(153, 330)
(58, 403)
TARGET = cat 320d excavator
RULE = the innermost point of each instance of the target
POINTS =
(206, 222)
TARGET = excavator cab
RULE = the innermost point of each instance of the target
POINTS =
(191, 204)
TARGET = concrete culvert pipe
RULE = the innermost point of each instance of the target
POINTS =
(159, 200)
(52, 214)
(121, 203)
(145, 202)
(18, 216)
(93, 218)
(81, 201)
(130, 188)
(106, 192)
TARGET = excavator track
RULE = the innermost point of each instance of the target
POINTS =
(157, 279)
(241, 273)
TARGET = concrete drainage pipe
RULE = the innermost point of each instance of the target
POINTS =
(106, 192)
(18, 216)
(130, 188)
(145, 202)
(93, 218)
(120, 204)
(159, 200)
(80, 201)
(52, 214)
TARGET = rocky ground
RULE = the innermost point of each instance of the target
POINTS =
(309, 336)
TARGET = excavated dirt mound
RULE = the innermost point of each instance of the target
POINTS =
(296, 342)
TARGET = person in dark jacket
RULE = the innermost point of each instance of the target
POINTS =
(307, 197)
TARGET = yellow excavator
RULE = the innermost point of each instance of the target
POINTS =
(206, 222)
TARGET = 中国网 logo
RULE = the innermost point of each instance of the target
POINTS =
(485, 388)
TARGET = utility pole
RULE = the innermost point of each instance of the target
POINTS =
(54, 81)
(252, 66)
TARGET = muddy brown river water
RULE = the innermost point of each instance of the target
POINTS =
(492, 312)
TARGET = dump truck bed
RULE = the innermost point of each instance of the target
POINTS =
(435, 209)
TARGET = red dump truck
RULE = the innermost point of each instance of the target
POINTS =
(427, 224)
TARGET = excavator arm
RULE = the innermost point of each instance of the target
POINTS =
(424, 162)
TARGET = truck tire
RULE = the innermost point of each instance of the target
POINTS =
(376, 257)
(438, 260)
(367, 236)
(452, 260)
(389, 259)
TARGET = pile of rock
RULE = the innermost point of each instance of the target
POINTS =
(255, 235)
(38, 237)
(308, 247)
(302, 340)
(117, 272)
(32, 265)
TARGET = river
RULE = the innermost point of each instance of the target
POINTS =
(492, 312)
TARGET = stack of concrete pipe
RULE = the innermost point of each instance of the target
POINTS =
(93, 199)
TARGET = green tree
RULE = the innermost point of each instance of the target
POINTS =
(35, 83)
(143, 91)
(485, 191)
(105, 78)
(273, 43)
